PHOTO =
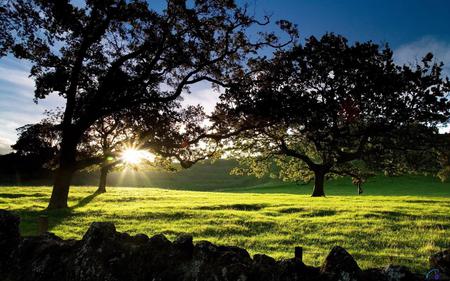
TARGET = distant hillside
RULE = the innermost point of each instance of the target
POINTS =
(207, 176)
(202, 176)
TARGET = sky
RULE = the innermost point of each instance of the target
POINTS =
(411, 27)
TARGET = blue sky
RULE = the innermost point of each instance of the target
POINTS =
(411, 27)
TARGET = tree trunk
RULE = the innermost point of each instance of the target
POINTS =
(102, 184)
(61, 186)
(319, 179)
(64, 173)
(360, 190)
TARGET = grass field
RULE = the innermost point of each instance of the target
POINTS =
(403, 226)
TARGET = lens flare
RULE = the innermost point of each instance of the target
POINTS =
(135, 156)
(131, 156)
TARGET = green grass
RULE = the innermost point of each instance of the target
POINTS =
(405, 226)
(415, 185)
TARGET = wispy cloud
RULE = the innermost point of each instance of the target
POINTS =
(5, 145)
(18, 78)
(413, 52)
(202, 94)
(17, 107)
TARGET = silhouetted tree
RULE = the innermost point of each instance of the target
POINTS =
(175, 136)
(35, 154)
(105, 139)
(183, 136)
(329, 108)
(39, 140)
(110, 56)
(443, 152)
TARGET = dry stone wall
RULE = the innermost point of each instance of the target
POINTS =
(107, 255)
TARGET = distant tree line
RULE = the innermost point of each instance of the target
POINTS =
(321, 109)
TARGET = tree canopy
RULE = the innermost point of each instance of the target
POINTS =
(333, 108)
(111, 56)
(163, 139)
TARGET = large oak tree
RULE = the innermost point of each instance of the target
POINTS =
(333, 108)
(110, 56)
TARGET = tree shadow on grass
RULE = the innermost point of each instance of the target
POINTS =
(238, 207)
(29, 217)
(20, 195)
(86, 200)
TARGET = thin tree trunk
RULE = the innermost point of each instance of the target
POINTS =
(360, 190)
(319, 180)
(102, 183)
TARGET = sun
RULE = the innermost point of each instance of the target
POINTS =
(135, 156)
(132, 156)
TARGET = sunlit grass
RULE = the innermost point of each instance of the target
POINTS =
(376, 230)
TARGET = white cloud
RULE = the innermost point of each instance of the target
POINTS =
(17, 107)
(5, 145)
(413, 52)
(203, 95)
(19, 78)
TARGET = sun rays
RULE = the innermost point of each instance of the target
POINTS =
(133, 156)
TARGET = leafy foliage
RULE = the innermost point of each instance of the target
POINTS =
(39, 140)
(114, 56)
(334, 109)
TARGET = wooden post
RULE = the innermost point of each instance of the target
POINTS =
(42, 224)
(299, 253)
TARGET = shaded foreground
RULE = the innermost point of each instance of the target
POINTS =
(375, 229)
(105, 254)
